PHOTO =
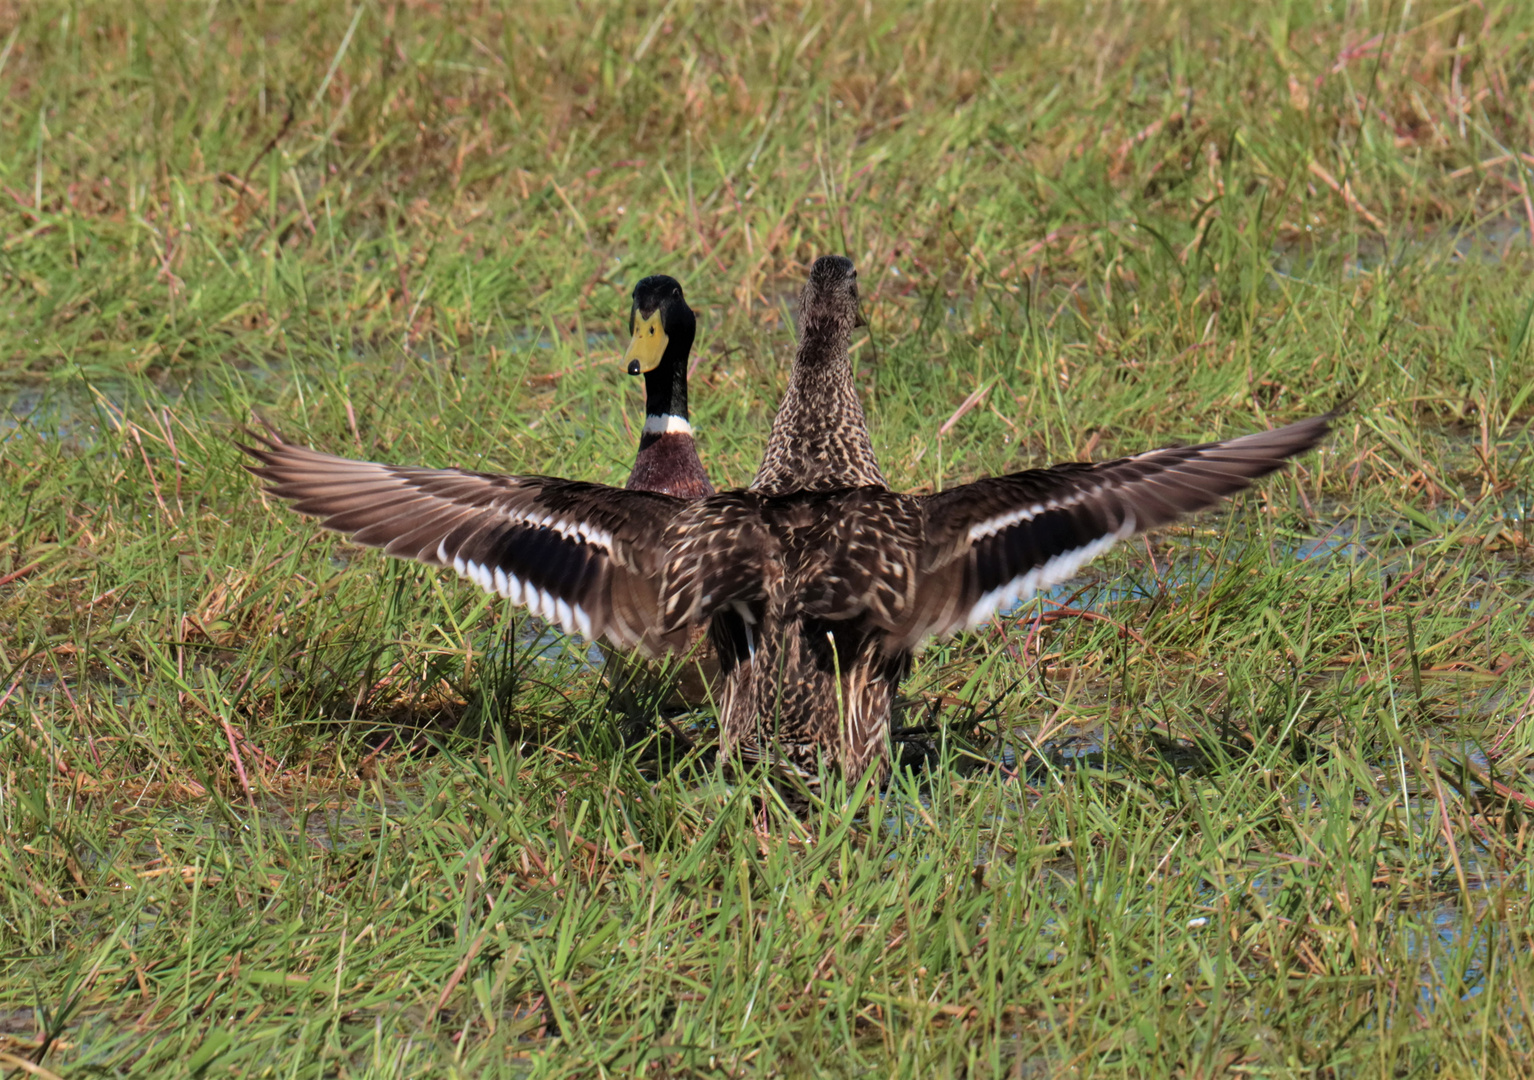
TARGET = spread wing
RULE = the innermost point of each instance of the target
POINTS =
(585, 556)
(993, 542)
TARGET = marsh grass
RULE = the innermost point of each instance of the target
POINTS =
(1250, 798)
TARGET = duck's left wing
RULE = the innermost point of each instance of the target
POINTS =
(996, 541)
(585, 556)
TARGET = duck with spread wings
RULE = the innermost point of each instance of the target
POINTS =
(817, 584)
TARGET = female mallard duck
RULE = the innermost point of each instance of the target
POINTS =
(850, 576)
(817, 586)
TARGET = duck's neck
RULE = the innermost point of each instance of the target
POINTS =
(668, 458)
(665, 395)
(819, 438)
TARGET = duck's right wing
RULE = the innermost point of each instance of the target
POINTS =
(585, 556)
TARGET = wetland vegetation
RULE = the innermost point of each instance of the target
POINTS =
(1250, 798)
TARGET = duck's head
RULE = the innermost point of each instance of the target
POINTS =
(662, 324)
(830, 297)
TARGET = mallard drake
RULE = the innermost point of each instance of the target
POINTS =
(663, 327)
(818, 595)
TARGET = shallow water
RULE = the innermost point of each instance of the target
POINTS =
(72, 411)
(1489, 243)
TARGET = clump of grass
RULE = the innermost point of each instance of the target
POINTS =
(1249, 797)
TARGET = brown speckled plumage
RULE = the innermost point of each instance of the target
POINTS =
(815, 597)
(806, 665)
(819, 439)
(819, 443)
(861, 575)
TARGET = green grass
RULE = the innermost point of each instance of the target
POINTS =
(276, 806)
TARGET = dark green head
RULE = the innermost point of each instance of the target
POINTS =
(663, 327)
(662, 324)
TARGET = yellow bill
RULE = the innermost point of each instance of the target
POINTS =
(649, 344)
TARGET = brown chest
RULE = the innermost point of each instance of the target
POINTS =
(668, 463)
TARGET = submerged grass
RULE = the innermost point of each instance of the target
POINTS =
(1251, 798)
